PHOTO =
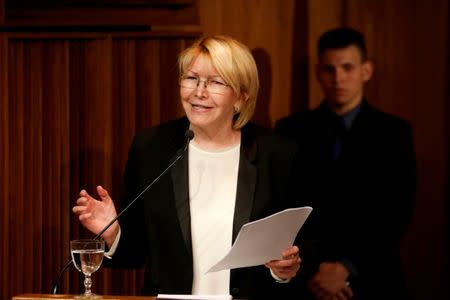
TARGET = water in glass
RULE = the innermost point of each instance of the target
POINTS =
(87, 256)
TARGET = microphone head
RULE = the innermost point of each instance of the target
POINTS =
(189, 135)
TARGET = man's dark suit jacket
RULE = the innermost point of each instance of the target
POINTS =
(362, 201)
(156, 230)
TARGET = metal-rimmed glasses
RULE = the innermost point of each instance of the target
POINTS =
(213, 85)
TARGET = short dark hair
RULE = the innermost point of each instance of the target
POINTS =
(342, 37)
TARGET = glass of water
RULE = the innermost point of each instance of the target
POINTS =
(87, 256)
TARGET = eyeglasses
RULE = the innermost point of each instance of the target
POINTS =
(212, 85)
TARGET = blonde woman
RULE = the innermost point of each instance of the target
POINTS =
(233, 173)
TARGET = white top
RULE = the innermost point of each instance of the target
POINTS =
(212, 195)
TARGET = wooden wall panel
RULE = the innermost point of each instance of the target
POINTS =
(90, 128)
(266, 27)
(115, 14)
(73, 105)
(447, 118)
(56, 160)
(26, 150)
(390, 49)
(430, 52)
(322, 15)
(4, 166)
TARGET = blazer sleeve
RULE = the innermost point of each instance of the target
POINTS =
(131, 250)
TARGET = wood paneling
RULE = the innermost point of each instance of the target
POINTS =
(2, 11)
(69, 110)
(4, 165)
(113, 14)
(322, 15)
(447, 144)
(429, 54)
(266, 27)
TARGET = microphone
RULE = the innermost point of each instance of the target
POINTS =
(188, 136)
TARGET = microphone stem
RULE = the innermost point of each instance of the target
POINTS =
(137, 197)
(55, 287)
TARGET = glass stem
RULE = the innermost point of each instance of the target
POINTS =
(87, 285)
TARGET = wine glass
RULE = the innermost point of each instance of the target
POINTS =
(87, 256)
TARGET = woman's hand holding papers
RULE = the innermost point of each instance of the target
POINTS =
(288, 266)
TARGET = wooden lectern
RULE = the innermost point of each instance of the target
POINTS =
(71, 297)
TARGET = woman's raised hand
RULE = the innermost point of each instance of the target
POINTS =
(96, 214)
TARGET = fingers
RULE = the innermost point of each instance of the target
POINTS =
(290, 260)
(290, 252)
(82, 205)
(322, 289)
(288, 266)
(85, 216)
(79, 209)
(82, 202)
(84, 194)
(103, 193)
(84, 198)
(285, 263)
(104, 196)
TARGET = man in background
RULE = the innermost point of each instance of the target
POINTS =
(358, 173)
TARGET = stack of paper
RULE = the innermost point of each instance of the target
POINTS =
(264, 240)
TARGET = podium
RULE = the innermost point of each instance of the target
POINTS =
(71, 297)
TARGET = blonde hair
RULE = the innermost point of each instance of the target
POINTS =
(235, 64)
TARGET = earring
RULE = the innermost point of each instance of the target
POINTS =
(236, 109)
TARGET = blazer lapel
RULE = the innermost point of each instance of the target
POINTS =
(179, 174)
(246, 182)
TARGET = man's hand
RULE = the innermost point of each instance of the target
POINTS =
(330, 282)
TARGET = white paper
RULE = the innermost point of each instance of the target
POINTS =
(194, 297)
(264, 240)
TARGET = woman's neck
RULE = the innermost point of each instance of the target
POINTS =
(213, 141)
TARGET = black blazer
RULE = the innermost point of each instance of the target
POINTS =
(362, 202)
(156, 230)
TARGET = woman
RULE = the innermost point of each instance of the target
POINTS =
(232, 173)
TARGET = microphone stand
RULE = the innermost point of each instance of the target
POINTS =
(189, 135)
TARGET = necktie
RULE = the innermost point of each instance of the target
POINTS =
(340, 131)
